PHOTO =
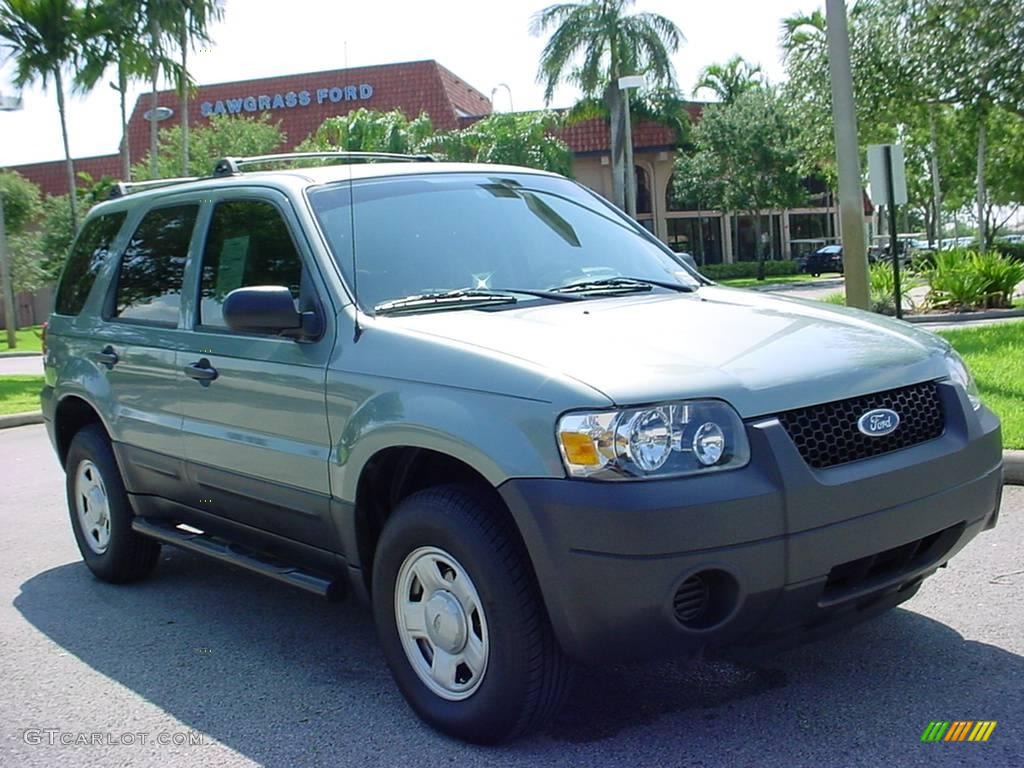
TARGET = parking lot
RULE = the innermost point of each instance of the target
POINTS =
(264, 674)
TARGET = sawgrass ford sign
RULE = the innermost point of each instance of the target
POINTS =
(289, 100)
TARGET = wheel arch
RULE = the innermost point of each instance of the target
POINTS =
(393, 474)
(72, 414)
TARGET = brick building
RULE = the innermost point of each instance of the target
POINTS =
(300, 103)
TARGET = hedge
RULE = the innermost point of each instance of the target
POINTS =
(743, 269)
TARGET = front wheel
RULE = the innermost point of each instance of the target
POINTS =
(461, 619)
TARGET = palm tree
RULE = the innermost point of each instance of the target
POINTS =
(113, 38)
(42, 36)
(729, 80)
(161, 31)
(198, 16)
(592, 45)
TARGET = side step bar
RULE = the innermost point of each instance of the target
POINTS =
(219, 549)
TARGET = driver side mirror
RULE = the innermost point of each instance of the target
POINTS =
(271, 310)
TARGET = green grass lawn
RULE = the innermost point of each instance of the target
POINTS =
(747, 282)
(995, 353)
(28, 341)
(19, 394)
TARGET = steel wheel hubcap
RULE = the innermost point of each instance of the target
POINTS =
(93, 507)
(441, 623)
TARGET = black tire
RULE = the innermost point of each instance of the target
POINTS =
(128, 556)
(526, 676)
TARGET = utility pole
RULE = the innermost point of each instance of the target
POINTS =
(626, 84)
(851, 195)
(7, 104)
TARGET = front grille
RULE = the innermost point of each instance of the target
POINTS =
(887, 566)
(826, 435)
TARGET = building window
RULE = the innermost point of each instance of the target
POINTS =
(746, 245)
(643, 191)
(701, 237)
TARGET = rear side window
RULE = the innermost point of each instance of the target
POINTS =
(153, 265)
(88, 254)
(248, 244)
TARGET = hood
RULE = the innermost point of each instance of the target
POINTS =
(760, 353)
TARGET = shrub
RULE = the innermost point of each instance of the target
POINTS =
(746, 269)
(961, 279)
(1014, 251)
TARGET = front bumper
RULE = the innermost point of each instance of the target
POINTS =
(793, 552)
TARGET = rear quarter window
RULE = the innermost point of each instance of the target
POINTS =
(88, 254)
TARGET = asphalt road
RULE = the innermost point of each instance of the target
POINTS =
(267, 675)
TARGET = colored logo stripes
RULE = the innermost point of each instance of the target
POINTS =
(958, 730)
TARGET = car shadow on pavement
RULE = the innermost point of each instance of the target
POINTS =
(285, 678)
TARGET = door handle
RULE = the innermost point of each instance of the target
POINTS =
(201, 371)
(107, 356)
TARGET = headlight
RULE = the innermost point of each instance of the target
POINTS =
(960, 374)
(669, 440)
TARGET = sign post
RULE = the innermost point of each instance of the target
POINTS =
(889, 188)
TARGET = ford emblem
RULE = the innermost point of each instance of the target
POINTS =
(879, 422)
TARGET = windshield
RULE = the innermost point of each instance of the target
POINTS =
(434, 233)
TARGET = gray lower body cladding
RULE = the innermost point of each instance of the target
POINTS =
(769, 554)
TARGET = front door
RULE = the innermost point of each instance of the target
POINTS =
(254, 406)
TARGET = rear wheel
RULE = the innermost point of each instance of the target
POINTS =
(101, 515)
(461, 619)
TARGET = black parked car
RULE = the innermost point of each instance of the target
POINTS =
(827, 259)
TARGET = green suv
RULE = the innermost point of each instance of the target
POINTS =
(497, 409)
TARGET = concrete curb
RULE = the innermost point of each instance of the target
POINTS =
(21, 419)
(964, 317)
(20, 354)
(1013, 467)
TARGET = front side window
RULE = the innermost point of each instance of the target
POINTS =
(248, 245)
(443, 232)
(153, 265)
(88, 254)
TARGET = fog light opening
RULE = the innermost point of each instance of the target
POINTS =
(706, 599)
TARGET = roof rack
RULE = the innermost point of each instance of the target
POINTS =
(122, 188)
(232, 166)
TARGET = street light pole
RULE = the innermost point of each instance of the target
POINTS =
(7, 104)
(851, 195)
(626, 84)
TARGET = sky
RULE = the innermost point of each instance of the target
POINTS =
(485, 42)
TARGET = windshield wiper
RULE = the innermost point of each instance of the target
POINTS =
(621, 284)
(463, 297)
(466, 297)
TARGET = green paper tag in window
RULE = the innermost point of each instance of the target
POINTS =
(231, 265)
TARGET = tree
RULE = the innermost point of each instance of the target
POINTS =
(114, 37)
(744, 158)
(509, 139)
(729, 80)
(225, 136)
(970, 53)
(365, 130)
(21, 201)
(592, 45)
(161, 31)
(198, 14)
(42, 38)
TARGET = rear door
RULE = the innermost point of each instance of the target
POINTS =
(136, 342)
(254, 406)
